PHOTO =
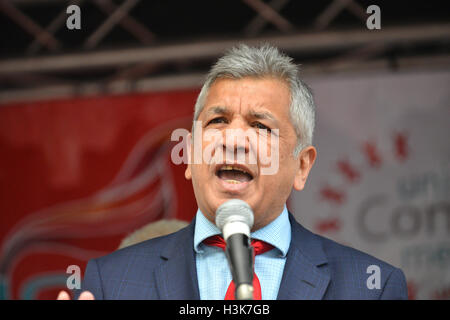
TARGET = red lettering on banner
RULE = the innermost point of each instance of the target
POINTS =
(348, 170)
(442, 294)
(401, 146)
(332, 195)
(412, 290)
(373, 156)
(327, 225)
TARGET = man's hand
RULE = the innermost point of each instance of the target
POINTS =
(85, 295)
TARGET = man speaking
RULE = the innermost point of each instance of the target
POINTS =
(252, 105)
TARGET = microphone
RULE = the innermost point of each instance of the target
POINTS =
(235, 219)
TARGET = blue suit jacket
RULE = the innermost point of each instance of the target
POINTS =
(165, 268)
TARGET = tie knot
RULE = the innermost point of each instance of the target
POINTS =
(259, 246)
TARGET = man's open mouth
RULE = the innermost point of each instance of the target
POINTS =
(234, 174)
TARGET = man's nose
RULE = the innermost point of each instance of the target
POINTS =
(235, 142)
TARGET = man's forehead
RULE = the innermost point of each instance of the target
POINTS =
(248, 87)
(271, 99)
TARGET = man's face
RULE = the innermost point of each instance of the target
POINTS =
(247, 104)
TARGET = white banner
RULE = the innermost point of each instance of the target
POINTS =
(381, 182)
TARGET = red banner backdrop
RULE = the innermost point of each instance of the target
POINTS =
(78, 175)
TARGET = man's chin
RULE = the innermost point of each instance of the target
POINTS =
(225, 197)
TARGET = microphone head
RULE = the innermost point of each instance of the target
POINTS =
(234, 210)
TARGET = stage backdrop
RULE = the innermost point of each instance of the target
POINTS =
(78, 175)
(381, 182)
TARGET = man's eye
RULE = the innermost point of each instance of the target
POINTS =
(259, 125)
(218, 120)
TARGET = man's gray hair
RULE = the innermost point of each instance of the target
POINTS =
(261, 62)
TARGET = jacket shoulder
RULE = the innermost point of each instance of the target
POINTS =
(353, 274)
(359, 275)
(340, 253)
(127, 273)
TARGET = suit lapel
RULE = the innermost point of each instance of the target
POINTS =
(304, 277)
(176, 277)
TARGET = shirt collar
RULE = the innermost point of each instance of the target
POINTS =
(203, 230)
(277, 233)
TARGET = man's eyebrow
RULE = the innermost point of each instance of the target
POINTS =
(260, 115)
(217, 110)
(263, 115)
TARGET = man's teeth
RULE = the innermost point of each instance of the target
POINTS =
(233, 181)
(232, 168)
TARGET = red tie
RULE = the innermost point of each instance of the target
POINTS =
(259, 248)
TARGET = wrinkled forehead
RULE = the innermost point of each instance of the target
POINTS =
(257, 97)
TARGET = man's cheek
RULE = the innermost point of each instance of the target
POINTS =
(270, 159)
(196, 173)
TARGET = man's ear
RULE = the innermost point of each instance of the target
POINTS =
(189, 146)
(305, 160)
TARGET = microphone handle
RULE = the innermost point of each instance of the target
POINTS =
(239, 254)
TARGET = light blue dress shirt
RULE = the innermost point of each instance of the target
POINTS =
(213, 272)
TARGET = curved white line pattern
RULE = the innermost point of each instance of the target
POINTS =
(134, 197)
